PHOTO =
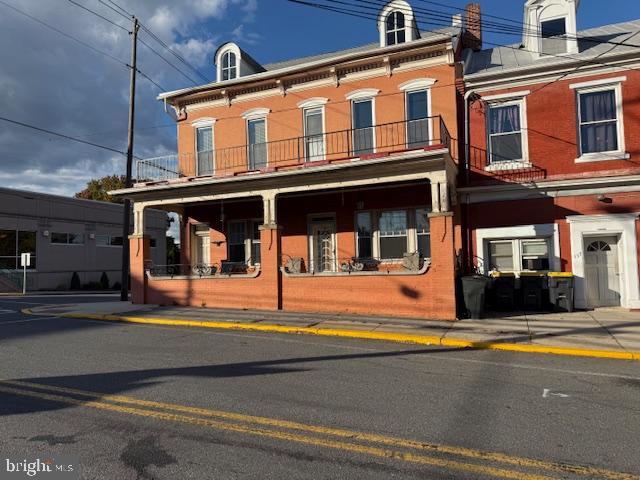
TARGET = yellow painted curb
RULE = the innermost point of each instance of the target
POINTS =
(384, 336)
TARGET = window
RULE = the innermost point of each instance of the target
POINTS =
(395, 28)
(363, 133)
(553, 36)
(257, 133)
(229, 67)
(392, 227)
(108, 241)
(67, 238)
(314, 134)
(364, 235)
(255, 242)
(505, 143)
(423, 233)
(519, 254)
(236, 239)
(417, 118)
(204, 150)
(599, 122)
(14, 243)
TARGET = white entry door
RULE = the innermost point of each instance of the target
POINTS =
(323, 245)
(602, 274)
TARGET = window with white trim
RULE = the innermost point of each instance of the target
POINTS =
(204, 150)
(257, 143)
(505, 132)
(417, 118)
(363, 131)
(553, 36)
(229, 66)
(244, 241)
(599, 112)
(423, 233)
(393, 236)
(519, 254)
(364, 235)
(395, 28)
(314, 133)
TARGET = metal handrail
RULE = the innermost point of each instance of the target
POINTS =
(428, 132)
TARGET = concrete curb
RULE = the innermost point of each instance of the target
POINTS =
(346, 333)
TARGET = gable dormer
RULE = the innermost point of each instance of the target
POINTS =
(233, 62)
(396, 23)
(550, 27)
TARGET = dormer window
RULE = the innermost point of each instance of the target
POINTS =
(396, 23)
(229, 66)
(553, 36)
(395, 28)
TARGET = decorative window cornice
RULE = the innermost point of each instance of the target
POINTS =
(203, 122)
(313, 102)
(417, 83)
(256, 113)
(362, 94)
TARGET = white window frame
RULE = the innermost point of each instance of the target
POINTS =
(407, 92)
(395, 30)
(204, 123)
(566, 35)
(601, 86)
(500, 101)
(224, 69)
(517, 251)
(359, 99)
(520, 232)
(244, 243)
(251, 116)
(324, 130)
(250, 241)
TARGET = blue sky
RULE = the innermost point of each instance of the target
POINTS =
(56, 83)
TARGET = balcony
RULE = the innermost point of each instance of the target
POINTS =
(299, 152)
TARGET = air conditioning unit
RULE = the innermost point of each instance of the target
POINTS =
(535, 264)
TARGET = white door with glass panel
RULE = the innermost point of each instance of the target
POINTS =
(323, 245)
(602, 274)
(314, 134)
(204, 151)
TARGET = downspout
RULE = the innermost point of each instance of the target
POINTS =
(467, 157)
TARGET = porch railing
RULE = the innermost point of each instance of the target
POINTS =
(378, 140)
(411, 262)
(202, 270)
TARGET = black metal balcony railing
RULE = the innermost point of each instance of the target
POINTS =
(412, 262)
(430, 132)
(201, 270)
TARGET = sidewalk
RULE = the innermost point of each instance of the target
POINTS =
(606, 333)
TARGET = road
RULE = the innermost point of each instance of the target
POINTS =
(151, 402)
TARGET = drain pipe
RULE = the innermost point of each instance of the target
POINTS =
(467, 166)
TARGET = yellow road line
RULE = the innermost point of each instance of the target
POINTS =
(366, 335)
(341, 433)
(290, 437)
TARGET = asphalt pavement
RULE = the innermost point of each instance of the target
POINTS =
(144, 401)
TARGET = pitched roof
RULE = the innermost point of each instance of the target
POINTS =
(592, 46)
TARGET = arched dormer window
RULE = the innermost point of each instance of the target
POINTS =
(555, 21)
(395, 28)
(396, 23)
(229, 66)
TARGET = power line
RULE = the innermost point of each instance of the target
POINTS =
(122, 12)
(81, 42)
(368, 16)
(98, 15)
(61, 135)
(167, 61)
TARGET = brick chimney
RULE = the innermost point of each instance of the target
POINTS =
(472, 37)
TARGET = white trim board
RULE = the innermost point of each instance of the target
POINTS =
(622, 225)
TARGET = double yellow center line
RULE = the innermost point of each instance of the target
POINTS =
(491, 464)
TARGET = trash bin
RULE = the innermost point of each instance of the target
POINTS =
(474, 289)
(532, 286)
(504, 286)
(561, 288)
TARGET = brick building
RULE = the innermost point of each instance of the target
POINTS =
(318, 184)
(553, 174)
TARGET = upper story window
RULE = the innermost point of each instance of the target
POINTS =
(395, 28)
(229, 66)
(505, 132)
(205, 154)
(417, 118)
(553, 36)
(599, 123)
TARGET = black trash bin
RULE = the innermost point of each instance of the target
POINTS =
(561, 288)
(474, 289)
(532, 286)
(504, 286)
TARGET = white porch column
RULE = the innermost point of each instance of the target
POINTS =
(138, 219)
(269, 208)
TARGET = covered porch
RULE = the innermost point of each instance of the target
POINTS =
(378, 242)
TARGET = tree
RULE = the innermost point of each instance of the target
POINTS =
(97, 189)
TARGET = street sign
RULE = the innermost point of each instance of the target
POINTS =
(25, 260)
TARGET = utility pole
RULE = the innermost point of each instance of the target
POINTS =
(124, 292)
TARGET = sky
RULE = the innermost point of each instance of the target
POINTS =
(53, 82)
